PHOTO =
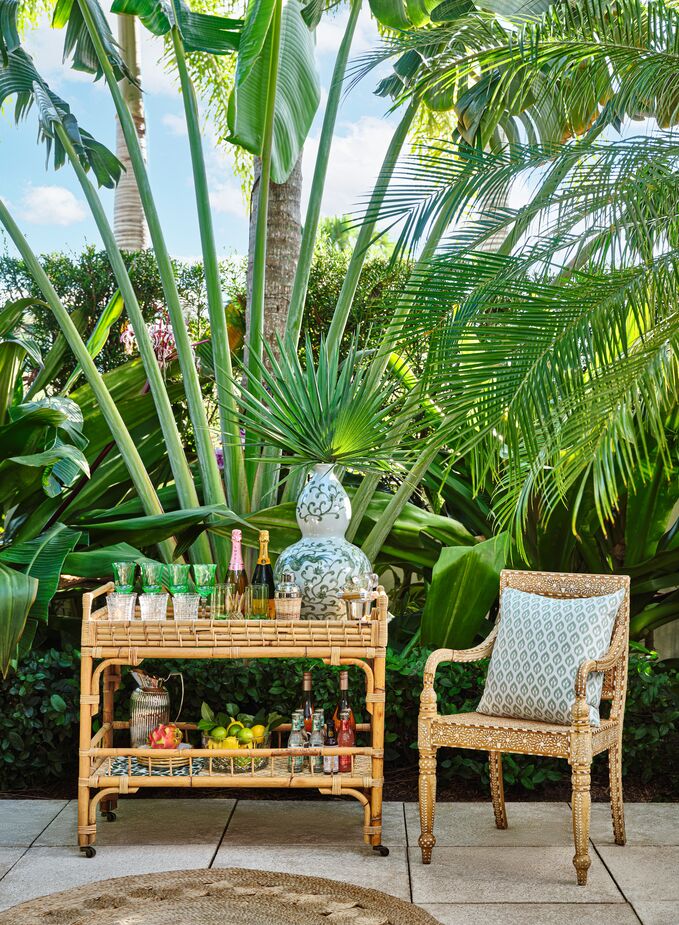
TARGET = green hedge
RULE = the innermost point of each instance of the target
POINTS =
(39, 714)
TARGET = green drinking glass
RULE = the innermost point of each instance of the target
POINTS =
(152, 577)
(178, 578)
(123, 576)
(205, 576)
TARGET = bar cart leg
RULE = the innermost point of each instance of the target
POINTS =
(86, 832)
(111, 682)
(376, 790)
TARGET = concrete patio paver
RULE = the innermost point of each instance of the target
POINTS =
(648, 874)
(9, 857)
(532, 914)
(22, 821)
(509, 875)
(657, 913)
(645, 823)
(478, 876)
(459, 825)
(273, 822)
(50, 870)
(147, 822)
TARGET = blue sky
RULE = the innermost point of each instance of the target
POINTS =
(49, 205)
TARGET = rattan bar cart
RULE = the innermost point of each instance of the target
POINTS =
(106, 771)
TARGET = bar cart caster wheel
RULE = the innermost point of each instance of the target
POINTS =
(110, 816)
(382, 850)
(89, 851)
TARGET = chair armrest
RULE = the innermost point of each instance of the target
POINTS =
(428, 696)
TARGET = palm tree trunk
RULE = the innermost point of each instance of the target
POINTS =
(283, 240)
(128, 215)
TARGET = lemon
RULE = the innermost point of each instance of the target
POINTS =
(230, 742)
(259, 732)
(212, 744)
(218, 733)
(245, 736)
(234, 728)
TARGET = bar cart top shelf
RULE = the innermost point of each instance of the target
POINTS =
(231, 638)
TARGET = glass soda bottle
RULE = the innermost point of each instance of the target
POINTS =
(296, 740)
(317, 740)
(330, 762)
(345, 739)
(343, 702)
(307, 704)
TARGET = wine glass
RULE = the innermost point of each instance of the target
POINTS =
(152, 577)
(178, 578)
(123, 576)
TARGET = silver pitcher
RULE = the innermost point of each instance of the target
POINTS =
(150, 705)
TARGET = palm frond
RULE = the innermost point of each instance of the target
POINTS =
(326, 411)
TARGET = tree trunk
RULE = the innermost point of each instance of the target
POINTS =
(284, 236)
(128, 216)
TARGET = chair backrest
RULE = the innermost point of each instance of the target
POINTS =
(571, 584)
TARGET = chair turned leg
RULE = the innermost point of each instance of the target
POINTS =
(581, 813)
(497, 789)
(427, 789)
(617, 805)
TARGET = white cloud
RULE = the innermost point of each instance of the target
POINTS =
(51, 205)
(176, 125)
(331, 30)
(226, 197)
(356, 156)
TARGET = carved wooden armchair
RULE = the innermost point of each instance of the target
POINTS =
(577, 743)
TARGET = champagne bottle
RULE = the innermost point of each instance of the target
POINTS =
(236, 574)
(343, 703)
(263, 574)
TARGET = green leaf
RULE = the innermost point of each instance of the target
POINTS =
(17, 594)
(465, 584)
(216, 35)
(651, 511)
(58, 703)
(96, 563)
(97, 339)
(78, 42)
(297, 89)
(147, 531)
(43, 559)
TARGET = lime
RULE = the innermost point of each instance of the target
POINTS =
(218, 733)
(234, 728)
(245, 736)
(230, 742)
(259, 732)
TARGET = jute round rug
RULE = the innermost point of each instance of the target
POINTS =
(217, 897)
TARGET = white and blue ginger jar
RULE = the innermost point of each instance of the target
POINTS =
(323, 559)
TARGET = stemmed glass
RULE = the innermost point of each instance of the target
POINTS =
(178, 578)
(204, 576)
(123, 576)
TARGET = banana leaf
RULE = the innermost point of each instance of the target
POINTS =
(464, 586)
(204, 32)
(17, 594)
(297, 90)
(96, 563)
(651, 511)
(43, 559)
(150, 530)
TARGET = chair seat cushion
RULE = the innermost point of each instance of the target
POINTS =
(540, 644)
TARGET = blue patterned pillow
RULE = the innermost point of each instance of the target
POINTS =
(540, 644)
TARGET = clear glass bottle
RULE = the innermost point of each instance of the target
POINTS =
(346, 738)
(296, 740)
(307, 704)
(343, 702)
(317, 740)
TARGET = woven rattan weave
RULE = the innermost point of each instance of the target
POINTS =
(105, 770)
(577, 743)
